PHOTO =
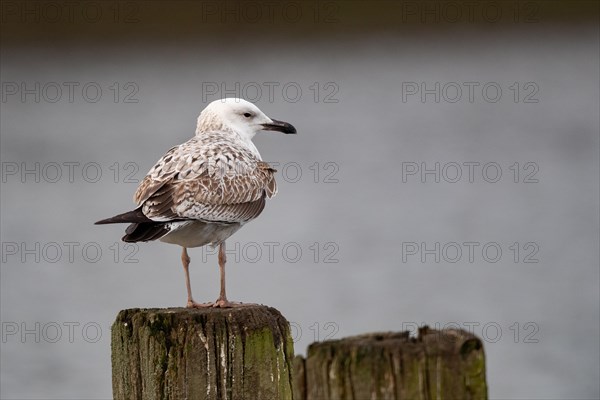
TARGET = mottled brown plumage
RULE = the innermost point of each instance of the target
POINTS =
(208, 178)
(204, 190)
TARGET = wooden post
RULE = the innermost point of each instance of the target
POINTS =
(436, 365)
(247, 353)
(179, 353)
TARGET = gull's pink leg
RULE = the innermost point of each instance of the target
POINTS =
(222, 300)
(185, 259)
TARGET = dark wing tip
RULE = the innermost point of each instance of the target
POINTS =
(129, 217)
(105, 221)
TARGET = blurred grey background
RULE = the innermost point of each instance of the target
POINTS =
(94, 93)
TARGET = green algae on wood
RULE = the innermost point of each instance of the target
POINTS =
(436, 365)
(181, 353)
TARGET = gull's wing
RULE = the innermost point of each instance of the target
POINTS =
(209, 178)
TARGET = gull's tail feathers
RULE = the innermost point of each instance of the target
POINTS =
(146, 231)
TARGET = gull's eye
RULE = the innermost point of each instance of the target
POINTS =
(247, 115)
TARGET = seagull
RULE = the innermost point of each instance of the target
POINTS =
(202, 191)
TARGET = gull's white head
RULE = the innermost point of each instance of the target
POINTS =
(239, 116)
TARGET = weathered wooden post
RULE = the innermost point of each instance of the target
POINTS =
(437, 365)
(247, 353)
(179, 353)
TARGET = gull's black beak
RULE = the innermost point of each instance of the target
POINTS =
(279, 126)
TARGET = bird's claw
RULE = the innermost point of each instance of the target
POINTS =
(193, 304)
(224, 303)
(220, 303)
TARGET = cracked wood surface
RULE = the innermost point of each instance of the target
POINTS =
(180, 353)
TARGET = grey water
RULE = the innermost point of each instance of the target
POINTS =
(447, 180)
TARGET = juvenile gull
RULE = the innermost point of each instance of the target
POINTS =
(202, 191)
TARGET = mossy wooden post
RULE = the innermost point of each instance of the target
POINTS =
(179, 353)
(436, 365)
